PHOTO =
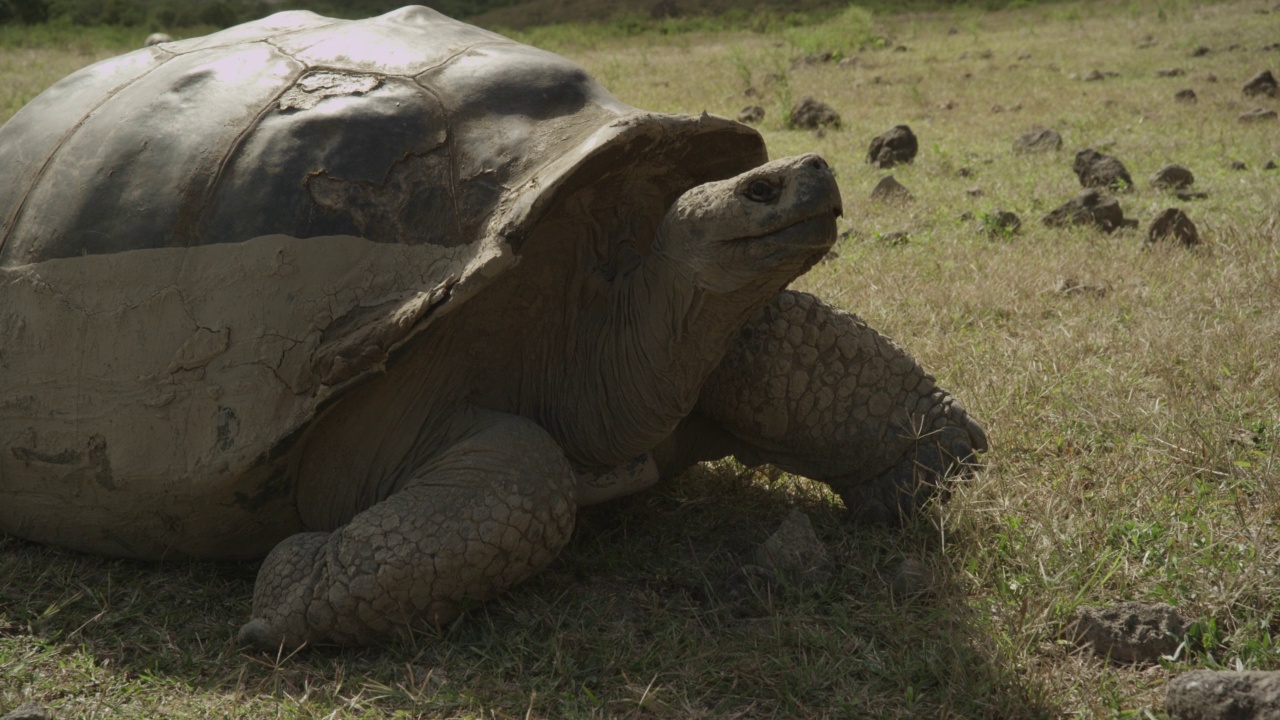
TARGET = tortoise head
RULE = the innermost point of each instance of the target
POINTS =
(769, 223)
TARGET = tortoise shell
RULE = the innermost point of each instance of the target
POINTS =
(204, 243)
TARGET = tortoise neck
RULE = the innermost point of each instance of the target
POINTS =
(654, 341)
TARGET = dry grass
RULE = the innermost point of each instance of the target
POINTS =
(1134, 429)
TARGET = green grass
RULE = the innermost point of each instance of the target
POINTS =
(1134, 429)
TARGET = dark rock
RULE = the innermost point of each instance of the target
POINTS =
(1210, 77)
(1271, 165)
(751, 114)
(794, 554)
(890, 190)
(964, 171)
(973, 192)
(1128, 632)
(895, 146)
(1185, 96)
(1170, 72)
(898, 237)
(1264, 83)
(1001, 223)
(1094, 76)
(1096, 170)
(1091, 207)
(1191, 195)
(1173, 224)
(1257, 115)
(1237, 165)
(810, 114)
(1201, 51)
(1024, 57)
(901, 48)
(1072, 286)
(1172, 177)
(911, 578)
(1037, 140)
(27, 711)
(1224, 695)
(1272, 46)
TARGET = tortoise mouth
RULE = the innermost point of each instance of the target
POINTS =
(817, 232)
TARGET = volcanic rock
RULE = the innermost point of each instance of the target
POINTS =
(1185, 96)
(1172, 177)
(895, 146)
(1091, 207)
(1037, 140)
(811, 114)
(1173, 224)
(1257, 115)
(751, 114)
(1264, 83)
(1224, 695)
(890, 190)
(1128, 632)
(1097, 170)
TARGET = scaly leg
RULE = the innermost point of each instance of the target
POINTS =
(490, 511)
(815, 391)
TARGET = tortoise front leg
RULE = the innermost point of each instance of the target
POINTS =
(815, 391)
(490, 511)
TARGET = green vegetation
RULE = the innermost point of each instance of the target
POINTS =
(1135, 427)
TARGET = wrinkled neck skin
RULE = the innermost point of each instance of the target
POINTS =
(644, 345)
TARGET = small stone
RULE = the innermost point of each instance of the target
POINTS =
(1172, 177)
(1128, 632)
(810, 114)
(964, 171)
(1224, 695)
(1201, 51)
(1257, 115)
(1237, 165)
(890, 190)
(1037, 140)
(911, 578)
(1094, 76)
(1170, 72)
(1271, 165)
(1210, 78)
(1191, 195)
(751, 114)
(896, 238)
(1091, 207)
(1173, 224)
(1264, 83)
(1097, 170)
(1185, 96)
(794, 554)
(973, 192)
(1072, 286)
(895, 146)
(1001, 223)
(27, 711)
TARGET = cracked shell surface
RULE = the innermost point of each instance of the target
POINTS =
(206, 242)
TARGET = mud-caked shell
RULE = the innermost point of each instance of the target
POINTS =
(204, 242)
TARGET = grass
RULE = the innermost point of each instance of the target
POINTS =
(1134, 428)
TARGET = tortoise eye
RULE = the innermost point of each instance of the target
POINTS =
(762, 191)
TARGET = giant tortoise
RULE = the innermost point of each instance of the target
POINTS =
(387, 300)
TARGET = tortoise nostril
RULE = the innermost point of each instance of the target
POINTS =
(818, 163)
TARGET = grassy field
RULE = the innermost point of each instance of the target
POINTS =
(1134, 423)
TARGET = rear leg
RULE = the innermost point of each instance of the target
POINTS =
(489, 512)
